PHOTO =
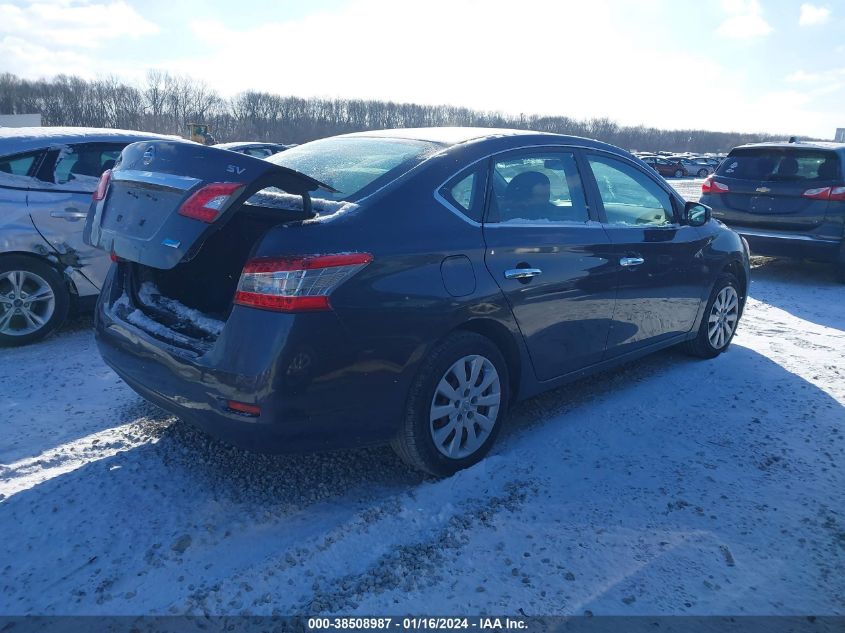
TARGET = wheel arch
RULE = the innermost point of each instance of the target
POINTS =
(71, 286)
(736, 268)
(505, 341)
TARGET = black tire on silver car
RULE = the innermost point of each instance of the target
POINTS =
(455, 405)
(34, 300)
(679, 173)
(703, 173)
(720, 320)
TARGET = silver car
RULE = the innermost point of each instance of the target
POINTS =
(47, 178)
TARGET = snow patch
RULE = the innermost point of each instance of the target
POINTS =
(151, 296)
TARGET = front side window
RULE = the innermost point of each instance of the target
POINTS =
(538, 188)
(354, 165)
(628, 195)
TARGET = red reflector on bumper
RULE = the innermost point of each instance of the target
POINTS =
(242, 407)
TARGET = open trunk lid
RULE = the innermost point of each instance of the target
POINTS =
(139, 217)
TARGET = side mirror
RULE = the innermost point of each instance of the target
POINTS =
(696, 214)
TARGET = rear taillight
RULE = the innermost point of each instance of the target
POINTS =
(296, 284)
(825, 193)
(206, 204)
(102, 186)
(712, 186)
(818, 193)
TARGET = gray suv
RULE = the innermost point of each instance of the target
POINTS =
(786, 199)
(47, 178)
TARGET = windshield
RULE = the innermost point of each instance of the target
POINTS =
(354, 166)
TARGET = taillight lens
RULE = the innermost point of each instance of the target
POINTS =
(102, 186)
(206, 203)
(826, 193)
(818, 193)
(296, 284)
(712, 186)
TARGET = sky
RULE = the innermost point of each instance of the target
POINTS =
(732, 65)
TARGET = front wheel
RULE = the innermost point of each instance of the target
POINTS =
(34, 300)
(455, 406)
(702, 173)
(678, 173)
(720, 321)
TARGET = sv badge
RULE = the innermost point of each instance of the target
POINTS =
(234, 169)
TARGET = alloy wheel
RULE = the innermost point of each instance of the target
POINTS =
(27, 302)
(723, 317)
(465, 406)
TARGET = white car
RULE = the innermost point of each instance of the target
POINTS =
(47, 177)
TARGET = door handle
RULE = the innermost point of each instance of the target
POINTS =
(631, 261)
(70, 214)
(522, 273)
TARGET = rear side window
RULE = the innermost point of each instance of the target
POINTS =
(465, 192)
(539, 188)
(777, 164)
(19, 165)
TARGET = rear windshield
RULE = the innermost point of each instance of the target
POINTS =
(354, 166)
(780, 164)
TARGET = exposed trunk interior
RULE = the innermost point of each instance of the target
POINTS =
(207, 283)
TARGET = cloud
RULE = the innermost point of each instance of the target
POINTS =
(745, 22)
(41, 39)
(812, 15)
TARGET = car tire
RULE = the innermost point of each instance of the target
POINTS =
(720, 320)
(703, 173)
(24, 320)
(472, 409)
(679, 173)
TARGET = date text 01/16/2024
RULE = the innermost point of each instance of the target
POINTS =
(417, 623)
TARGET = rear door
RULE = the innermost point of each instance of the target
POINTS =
(778, 188)
(59, 207)
(550, 258)
(660, 272)
(144, 215)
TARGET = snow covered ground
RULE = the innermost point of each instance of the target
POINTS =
(670, 486)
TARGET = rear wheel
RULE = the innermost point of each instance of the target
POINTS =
(34, 300)
(678, 173)
(720, 321)
(702, 173)
(455, 406)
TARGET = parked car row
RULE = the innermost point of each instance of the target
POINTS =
(403, 286)
(679, 166)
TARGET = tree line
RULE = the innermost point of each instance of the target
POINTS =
(166, 103)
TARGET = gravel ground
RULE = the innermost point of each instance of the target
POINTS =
(669, 486)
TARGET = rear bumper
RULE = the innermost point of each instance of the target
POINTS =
(786, 244)
(302, 373)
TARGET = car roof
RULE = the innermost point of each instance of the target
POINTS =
(826, 145)
(14, 140)
(450, 136)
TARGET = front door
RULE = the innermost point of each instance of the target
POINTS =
(550, 258)
(659, 262)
